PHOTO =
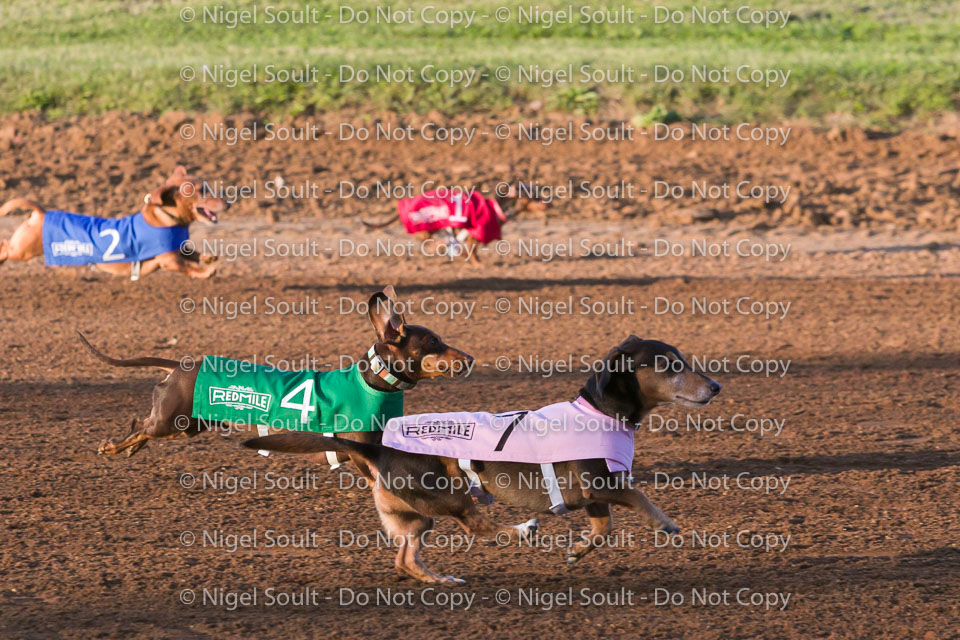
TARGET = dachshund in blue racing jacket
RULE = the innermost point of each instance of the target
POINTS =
(133, 245)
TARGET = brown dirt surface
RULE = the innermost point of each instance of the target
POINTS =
(847, 178)
(870, 442)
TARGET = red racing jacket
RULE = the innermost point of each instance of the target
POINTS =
(481, 217)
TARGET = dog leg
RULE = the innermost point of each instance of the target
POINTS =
(148, 266)
(26, 242)
(473, 251)
(134, 441)
(407, 527)
(477, 524)
(153, 429)
(601, 524)
(176, 262)
(636, 500)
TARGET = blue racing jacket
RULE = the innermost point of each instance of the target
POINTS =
(72, 240)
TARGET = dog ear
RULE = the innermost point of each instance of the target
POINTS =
(163, 197)
(631, 344)
(615, 389)
(387, 321)
(179, 173)
(613, 360)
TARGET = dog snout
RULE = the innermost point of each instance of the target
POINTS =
(461, 362)
(467, 363)
(216, 204)
(452, 363)
(715, 387)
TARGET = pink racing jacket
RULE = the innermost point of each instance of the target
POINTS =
(481, 217)
(556, 433)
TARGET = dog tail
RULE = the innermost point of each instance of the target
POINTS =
(20, 203)
(299, 442)
(380, 225)
(162, 363)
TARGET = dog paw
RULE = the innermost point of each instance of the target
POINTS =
(528, 529)
(578, 551)
(669, 527)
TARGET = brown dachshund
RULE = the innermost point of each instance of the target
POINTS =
(181, 201)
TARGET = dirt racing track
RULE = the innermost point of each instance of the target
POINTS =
(816, 496)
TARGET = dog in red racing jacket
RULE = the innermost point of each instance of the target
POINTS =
(461, 219)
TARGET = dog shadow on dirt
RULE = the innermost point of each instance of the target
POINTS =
(822, 464)
(488, 284)
(812, 581)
